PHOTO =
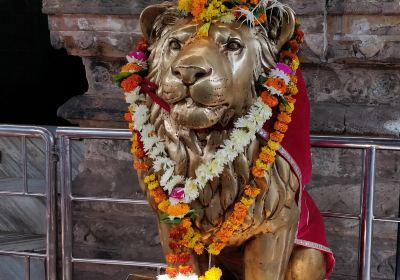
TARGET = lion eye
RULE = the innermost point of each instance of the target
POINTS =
(175, 45)
(233, 45)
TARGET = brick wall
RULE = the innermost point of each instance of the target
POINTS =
(351, 63)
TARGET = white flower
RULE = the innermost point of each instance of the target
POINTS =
(148, 143)
(158, 150)
(140, 116)
(133, 96)
(273, 91)
(147, 129)
(141, 63)
(191, 190)
(215, 168)
(175, 180)
(279, 74)
(165, 177)
(163, 163)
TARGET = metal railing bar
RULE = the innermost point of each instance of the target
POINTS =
(22, 194)
(367, 215)
(94, 133)
(51, 209)
(66, 223)
(110, 200)
(119, 262)
(24, 164)
(27, 266)
(340, 215)
(23, 254)
(328, 141)
(48, 138)
(387, 220)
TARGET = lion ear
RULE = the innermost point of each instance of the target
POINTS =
(281, 25)
(148, 17)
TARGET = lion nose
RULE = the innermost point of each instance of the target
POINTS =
(190, 74)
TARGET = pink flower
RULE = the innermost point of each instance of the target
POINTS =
(177, 193)
(138, 55)
(284, 68)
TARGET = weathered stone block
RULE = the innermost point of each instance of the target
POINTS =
(337, 83)
(363, 7)
(307, 7)
(111, 7)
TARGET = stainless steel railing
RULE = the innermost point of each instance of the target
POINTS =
(64, 135)
(25, 132)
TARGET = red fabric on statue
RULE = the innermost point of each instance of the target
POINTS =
(297, 151)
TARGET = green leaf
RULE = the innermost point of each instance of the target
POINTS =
(120, 77)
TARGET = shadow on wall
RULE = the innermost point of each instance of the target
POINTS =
(35, 79)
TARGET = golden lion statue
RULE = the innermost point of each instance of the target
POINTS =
(207, 83)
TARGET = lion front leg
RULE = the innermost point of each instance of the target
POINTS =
(267, 255)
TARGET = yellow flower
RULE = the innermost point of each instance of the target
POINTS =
(268, 151)
(213, 273)
(184, 5)
(288, 107)
(247, 201)
(273, 145)
(149, 178)
(163, 206)
(153, 185)
(262, 165)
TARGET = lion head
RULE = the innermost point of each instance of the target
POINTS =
(208, 82)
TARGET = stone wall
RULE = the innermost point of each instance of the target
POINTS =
(351, 63)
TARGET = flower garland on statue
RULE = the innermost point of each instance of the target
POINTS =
(276, 90)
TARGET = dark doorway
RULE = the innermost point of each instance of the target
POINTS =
(35, 79)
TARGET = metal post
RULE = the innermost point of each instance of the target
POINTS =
(51, 211)
(66, 230)
(367, 216)
(27, 268)
(24, 165)
(398, 249)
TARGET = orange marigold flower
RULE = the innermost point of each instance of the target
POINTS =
(171, 258)
(261, 19)
(199, 248)
(163, 206)
(257, 172)
(268, 99)
(185, 269)
(288, 55)
(277, 136)
(171, 271)
(276, 83)
(140, 165)
(183, 258)
(293, 78)
(131, 67)
(131, 82)
(281, 127)
(186, 223)
(197, 7)
(284, 117)
(299, 35)
(177, 210)
(292, 89)
(288, 108)
(251, 191)
(267, 158)
(128, 116)
(290, 99)
(158, 195)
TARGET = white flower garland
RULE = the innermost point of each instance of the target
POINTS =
(244, 132)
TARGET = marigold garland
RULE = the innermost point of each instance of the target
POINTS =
(276, 91)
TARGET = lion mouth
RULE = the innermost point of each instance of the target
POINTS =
(194, 116)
